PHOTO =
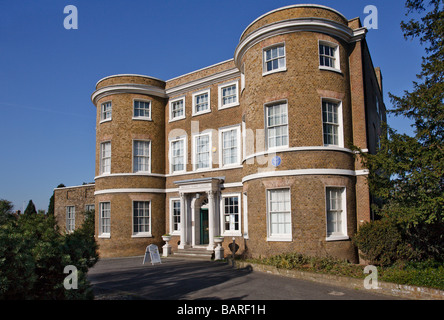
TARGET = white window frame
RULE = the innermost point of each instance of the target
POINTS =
(141, 234)
(339, 124)
(171, 102)
(343, 234)
(266, 106)
(245, 214)
(172, 231)
(221, 87)
(90, 207)
(210, 151)
(336, 57)
(103, 114)
(185, 153)
(199, 93)
(102, 159)
(264, 59)
(149, 156)
(70, 218)
(221, 146)
(278, 237)
(234, 233)
(147, 118)
(101, 218)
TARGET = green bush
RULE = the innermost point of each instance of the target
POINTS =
(381, 243)
(33, 255)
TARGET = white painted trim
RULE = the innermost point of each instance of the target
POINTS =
(143, 174)
(82, 186)
(290, 7)
(204, 82)
(221, 106)
(204, 170)
(264, 54)
(298, 149)
(130, 190)
(318, 25)
(337, 56)
(170, 103)
(199, 93)
(301, 172)
(127, 88)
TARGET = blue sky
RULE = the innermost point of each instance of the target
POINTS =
(48, 73)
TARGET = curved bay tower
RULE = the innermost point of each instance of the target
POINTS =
(255, 149)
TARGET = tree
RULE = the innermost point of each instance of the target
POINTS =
(30, 208)
(407, 173)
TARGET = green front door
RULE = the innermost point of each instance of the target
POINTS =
(204, 238)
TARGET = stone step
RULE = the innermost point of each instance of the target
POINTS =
(193, 253)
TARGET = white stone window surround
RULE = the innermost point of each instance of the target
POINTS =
(342, 234)
(172, 208)
(150, 106)
(106, 111)
(286, 214)
(70, 218)
(198, 94)
(267, 127)
(281, 66)
(221, 97)
(185, 154)
(222, 130)
(233, 233)
(340, 123)
(144, 234)
(336, 57)
(194, 150)
(171, 103)
(104, 216)
(105, 157)
(135, 169)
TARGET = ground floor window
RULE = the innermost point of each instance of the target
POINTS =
(141, 218)
(70, 218)
(175, 216)
(336, 213)
(279, 215)
(105, 219)
(231, 214)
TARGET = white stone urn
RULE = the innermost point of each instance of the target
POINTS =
(167, 247)
(219, 251)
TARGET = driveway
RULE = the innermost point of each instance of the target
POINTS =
(177, 279)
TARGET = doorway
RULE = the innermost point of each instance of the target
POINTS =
(204, 227)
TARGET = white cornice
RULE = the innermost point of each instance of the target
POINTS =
(290, 7)
(203, 82)
(127, 88)
(319, 25)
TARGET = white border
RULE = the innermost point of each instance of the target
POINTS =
(198, 93)
(231, 233)
(170, 103)
(238, 162)
(149, 156)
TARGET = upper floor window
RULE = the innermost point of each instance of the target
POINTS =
(202, 149)
(177, 109)
(332, 123)
(142, 109)
(106, 111)
(105, 157)
(277, 125)
(329, 56)
(274, 59)
(177, 155)
(228, 95)
(201, 102)
(141, 155)
(230, 146)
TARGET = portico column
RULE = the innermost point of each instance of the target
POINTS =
(210, 220)
(182, 221)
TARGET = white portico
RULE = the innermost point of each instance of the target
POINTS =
(199, 214)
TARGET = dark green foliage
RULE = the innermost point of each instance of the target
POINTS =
(33, 255)
(30, 208)
(407, 174)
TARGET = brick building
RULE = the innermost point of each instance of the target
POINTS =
(257, 147)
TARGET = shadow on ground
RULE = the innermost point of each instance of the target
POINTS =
(129, 279)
